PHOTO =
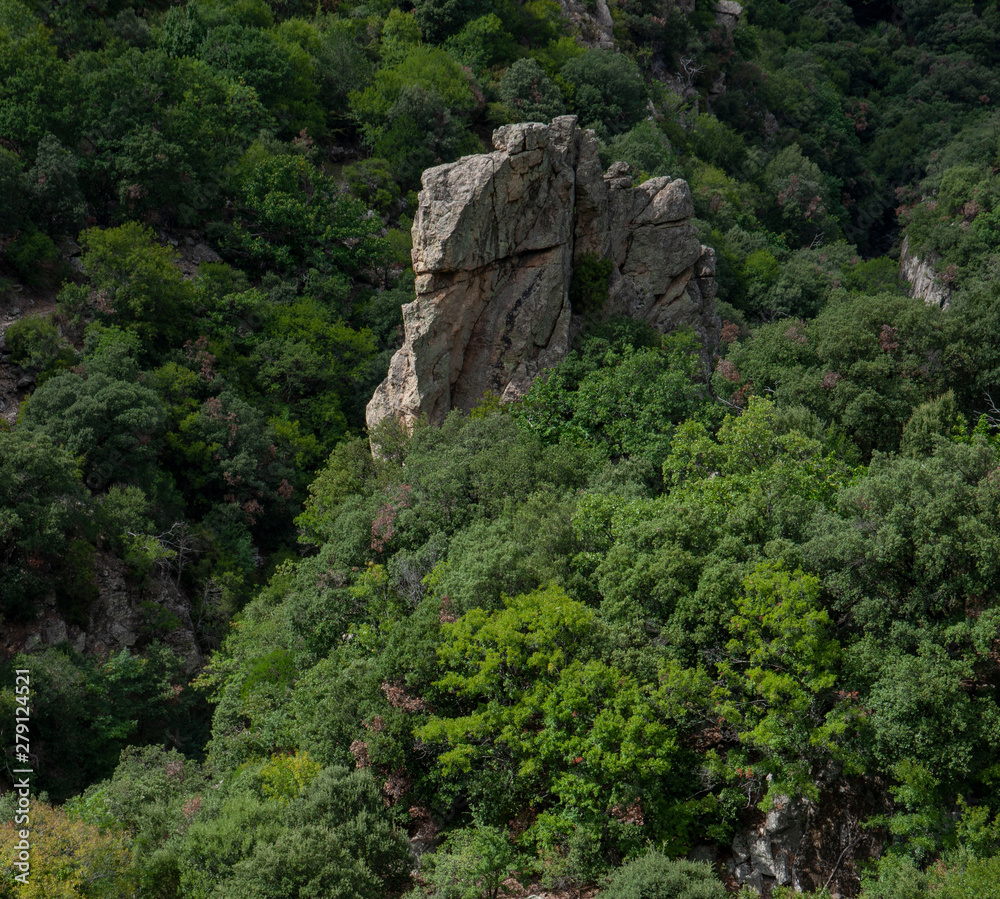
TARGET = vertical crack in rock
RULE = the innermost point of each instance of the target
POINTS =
(495, 239)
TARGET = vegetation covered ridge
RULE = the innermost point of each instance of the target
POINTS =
(652, 630)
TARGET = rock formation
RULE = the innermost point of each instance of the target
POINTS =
(123, 616)
(495, 240)
(766, 855)
(728, 14)
(923, 279)
(591, 22)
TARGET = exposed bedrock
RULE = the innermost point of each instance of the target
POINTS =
(923, 279)
(495, 239)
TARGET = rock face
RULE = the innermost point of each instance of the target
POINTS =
(766, 856)
(124, 616)
(495, 239)
(924, 281)
(728, 14)
(594, 26)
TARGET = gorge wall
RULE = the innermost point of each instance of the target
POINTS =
(495, 241)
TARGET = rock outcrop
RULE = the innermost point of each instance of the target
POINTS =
(766, 856)
(728, 14)
(923, 279)
(495, 241)
(591, 22)
(125, 615)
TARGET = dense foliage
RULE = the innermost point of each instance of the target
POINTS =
(567, 640)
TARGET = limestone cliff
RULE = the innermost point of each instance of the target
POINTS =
(495, 238)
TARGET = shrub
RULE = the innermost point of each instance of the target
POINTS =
(439, 19)
(609, 94)
(654, 876)
(32, 341)
(69, 857)
(473, 864)
(373, 182)
(35, 258)
(529, 94)
(588, 290)
(483, 44)
(645, 148)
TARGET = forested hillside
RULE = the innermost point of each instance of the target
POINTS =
(651, 630)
